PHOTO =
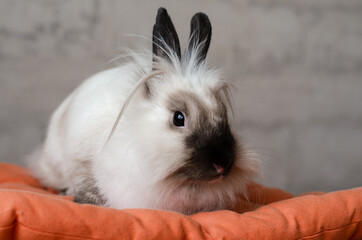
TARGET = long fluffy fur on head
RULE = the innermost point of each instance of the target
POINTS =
(190, 65)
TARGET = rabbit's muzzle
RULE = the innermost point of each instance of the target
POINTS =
(213, 152)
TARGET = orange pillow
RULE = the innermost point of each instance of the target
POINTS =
(29, 211)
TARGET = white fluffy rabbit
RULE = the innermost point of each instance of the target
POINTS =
(152, 133)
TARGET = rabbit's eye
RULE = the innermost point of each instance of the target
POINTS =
(178, 119)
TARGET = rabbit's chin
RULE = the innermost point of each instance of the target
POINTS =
(189, 196)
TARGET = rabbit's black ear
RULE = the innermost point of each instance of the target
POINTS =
(200, 36)
(164, 37)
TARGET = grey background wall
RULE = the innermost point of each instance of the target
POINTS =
(297, 66)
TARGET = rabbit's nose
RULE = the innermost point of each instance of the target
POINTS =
(220, 170)
(223, 167)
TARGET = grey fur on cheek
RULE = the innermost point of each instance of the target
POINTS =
(88, 192)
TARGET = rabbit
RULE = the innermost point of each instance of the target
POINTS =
(152, 133)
